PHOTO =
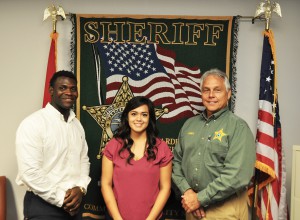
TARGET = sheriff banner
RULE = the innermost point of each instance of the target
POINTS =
(117, 57)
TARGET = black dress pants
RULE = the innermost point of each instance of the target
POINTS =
(35, 208)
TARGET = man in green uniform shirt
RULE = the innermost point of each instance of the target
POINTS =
(215, 155)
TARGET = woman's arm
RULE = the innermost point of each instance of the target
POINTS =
(106, 188)
(164, 191)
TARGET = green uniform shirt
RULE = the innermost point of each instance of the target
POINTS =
(214, 156)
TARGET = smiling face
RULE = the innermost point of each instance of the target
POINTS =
(63, 94)
(138, 120)
(214, 94)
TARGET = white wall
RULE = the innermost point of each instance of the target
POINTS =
(24, 48)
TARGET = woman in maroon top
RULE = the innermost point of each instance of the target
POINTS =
(136, 166)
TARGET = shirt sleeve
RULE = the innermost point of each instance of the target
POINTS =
(85, 164)
(167, 155)
(29, 153)
(237, 170)
(110, 149)
(177, 174)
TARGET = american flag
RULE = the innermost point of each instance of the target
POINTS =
(186, 81)
(270, 160)
(153, 72)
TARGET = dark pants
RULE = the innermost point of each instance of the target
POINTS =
(35, 208)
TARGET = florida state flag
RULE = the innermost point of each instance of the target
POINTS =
(51, 68)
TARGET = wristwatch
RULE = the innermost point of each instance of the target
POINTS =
(83, 190)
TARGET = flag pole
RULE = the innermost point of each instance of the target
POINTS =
(52, 12)
(254, 200)
(265, 10)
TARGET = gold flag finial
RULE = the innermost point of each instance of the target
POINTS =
(265, 9)
(54, 12)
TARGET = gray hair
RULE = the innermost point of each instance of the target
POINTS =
(216, 72)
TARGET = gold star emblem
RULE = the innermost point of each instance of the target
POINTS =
(219, 135)
(108, 116)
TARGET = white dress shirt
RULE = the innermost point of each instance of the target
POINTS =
(52, 154)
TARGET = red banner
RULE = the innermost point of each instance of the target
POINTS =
(51, 68)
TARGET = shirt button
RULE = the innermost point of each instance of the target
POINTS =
(196, 169)
(202, 138)
(206, 124)
(199, 153)
(196, 184)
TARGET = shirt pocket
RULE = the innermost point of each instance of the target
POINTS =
(216, 153)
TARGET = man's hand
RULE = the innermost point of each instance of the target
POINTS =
(72, 200)
(199, 213)
(190, 201)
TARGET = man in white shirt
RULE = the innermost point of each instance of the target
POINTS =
(52, 155)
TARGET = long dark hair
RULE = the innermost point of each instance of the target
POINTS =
(123, 131)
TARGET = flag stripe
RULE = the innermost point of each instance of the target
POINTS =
(266, 128)
(186, 80)
(265, 140)
(149, 87)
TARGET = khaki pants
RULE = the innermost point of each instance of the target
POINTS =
(234, 208)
